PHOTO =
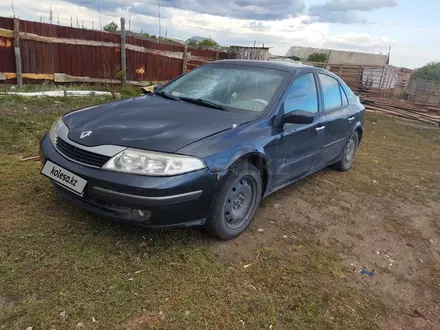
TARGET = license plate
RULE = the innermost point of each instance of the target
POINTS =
(64, 177)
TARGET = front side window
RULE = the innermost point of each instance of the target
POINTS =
(302, 95)
(234, 87)
(331, 92)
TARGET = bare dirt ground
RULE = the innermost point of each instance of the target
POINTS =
(388, 227)
(298, 266)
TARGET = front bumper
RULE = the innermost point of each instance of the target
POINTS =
(176, 201)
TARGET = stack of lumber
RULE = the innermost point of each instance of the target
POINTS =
(403, 109)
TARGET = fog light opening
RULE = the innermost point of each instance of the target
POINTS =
(141, 215)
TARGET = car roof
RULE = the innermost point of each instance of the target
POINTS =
(277, 65)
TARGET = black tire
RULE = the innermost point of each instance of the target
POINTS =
(348, 154)
(236, 202)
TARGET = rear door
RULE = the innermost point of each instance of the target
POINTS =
(299, 149)
(339, 114)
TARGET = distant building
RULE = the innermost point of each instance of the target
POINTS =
(340, 57)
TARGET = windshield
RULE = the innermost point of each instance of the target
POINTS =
(233, 87)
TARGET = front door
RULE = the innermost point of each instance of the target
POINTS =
(300, 145)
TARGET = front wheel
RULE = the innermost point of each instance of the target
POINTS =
(236, 202)
(348, 153)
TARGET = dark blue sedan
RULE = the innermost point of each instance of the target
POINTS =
(207, 147)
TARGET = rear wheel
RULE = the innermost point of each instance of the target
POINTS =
(236, 202)
(348, 154)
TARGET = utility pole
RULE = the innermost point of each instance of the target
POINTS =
(158, 9)
(71, 21)
(50, 15)
(93, 25)
(13, 10)
(100, 22)
(255, 41)
(58, 19)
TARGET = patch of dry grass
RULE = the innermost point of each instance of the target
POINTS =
(61, 266)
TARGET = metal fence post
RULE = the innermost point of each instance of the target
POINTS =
(17, 52)
(123, 57)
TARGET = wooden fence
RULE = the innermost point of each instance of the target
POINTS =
(32, 52)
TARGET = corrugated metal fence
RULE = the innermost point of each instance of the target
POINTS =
(66, 54)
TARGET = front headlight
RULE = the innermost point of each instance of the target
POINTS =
(152, 163)
(57, 124)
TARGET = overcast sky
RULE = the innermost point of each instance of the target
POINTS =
(412, 28)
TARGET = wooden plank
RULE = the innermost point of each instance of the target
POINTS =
(65, 78)
(42, 76)
(403, 114)
(6, 33)
(17, 53)
(165, 53)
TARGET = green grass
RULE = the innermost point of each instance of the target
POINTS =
(59, 259)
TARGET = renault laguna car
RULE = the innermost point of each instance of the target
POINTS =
(205, 148)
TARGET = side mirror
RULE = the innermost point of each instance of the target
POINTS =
(156, 88)
(299, 117)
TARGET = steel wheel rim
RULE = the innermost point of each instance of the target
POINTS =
(349, 151)
(240, 202)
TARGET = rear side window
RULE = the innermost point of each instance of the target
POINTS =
(302, 95)
(331, 92)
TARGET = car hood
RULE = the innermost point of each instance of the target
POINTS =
(149, 122)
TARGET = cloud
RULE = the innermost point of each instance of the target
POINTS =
(242, 9)
(359, 42)
(148, 10)
(429, 31)
(347, 11)
(361, 5)
(257, 26)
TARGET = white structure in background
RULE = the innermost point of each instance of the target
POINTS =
(385, 77)
(340, 57)
(252, 53)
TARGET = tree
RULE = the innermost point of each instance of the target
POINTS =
(209, 43)
(152, 36)
(317, 57)
(111, 27)
(430, 71)
(146, 34)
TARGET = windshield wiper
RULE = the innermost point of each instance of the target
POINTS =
(203, 102)
(167, 96)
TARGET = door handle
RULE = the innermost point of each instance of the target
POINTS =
(319, 129)
(351, 118)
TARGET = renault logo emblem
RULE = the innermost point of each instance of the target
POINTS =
(85, 134)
